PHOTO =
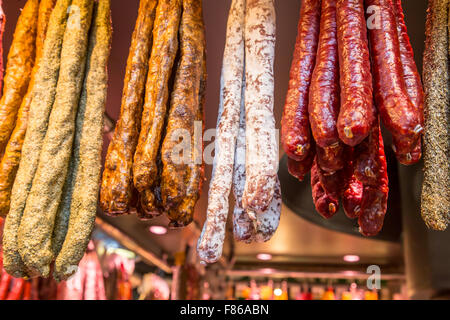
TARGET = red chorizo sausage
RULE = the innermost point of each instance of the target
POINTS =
(352, 197)
(413, 82)
(356, 114)
(353, 191)
(332, 158)
(398, 113)
(327, 205)
(324, 91)
(299, 169)
(295, 131)
(376, 186)
(368, 165)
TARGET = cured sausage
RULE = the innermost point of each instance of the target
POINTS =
(413, 82)
(262, 147)
(230, 107)
(40, 108)
(299, 169)
(36, 227)
(398, 113)
(352, 192)
(165, 45)
(295, 131)
(184, 214)
(87, 144)
(248, 226)
(324, 92)
(117, 191)
(2, 30)
(19, 65)
(371, 171)
(356, 113)
(436, 186)
(243, 225)
(332, 158)
(369, 162)
(11, 159)
(181, 173)
(266, 223)
(352, 197)
(326, 204)
(149, 205)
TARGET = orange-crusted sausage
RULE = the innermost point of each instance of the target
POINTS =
(165, 46)
(20, 63)
(117, 183)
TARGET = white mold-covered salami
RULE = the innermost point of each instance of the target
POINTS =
(267, 222)
(210, 243)
(247, 225)
(243, 226)
(262, 148)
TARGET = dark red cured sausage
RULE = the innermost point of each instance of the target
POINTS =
(352, 197)
(332, 158)
(356, 114)
(374, 206)
(324, 100)
(398, 113)
(299, 169)
(331, 182)
(411, 157)
(369, 162)
(376, 190)
(295, 130)
(353, 191)
(413, 82)
(327, 205)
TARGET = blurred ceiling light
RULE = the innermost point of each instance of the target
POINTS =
(264, 257)
(267, 271)
(277, 292)
(351, 258)
(159, 230)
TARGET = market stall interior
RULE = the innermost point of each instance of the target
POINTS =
(165, 86)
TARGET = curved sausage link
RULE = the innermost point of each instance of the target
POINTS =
(413, 83)
(324, 92)
(262, 147)
(326, 204)
(295, 131)
(231, 106)
(357, 112)
(299, 169)
(400, 116)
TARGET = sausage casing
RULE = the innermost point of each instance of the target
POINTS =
(295, 131)
(435, 199)
(326, 204)
(262, 147)
(36, 227)
(117, 190)
(357, 113)
(184, 107)
(398, 113)
(88, 144)
(165, 45)
(40, 108)
(227, 144)
(19, 65)
(11, 159)
(324, 92)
